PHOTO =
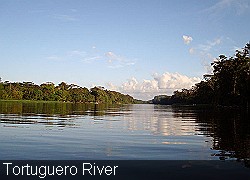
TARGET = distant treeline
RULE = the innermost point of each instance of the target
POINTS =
(228, 85)
(63, 92)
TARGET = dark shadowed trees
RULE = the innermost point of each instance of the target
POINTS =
(63, 92)
(228, 85)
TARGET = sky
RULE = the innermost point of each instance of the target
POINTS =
(138, 47)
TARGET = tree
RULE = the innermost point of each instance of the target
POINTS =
(228, 85)
(48, 90)
(232, 78)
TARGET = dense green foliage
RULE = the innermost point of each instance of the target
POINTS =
(228, 85)
(63, 92)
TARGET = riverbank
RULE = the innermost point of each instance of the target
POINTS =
(31, 101)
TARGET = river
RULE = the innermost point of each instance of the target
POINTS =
(66, 131)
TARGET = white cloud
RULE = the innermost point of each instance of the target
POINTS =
(73, 10)
(187, 39)
(205, 57)
(90, 59)
(159, 84)
(131, 85)
(210, 44)
(174, 81)
(110, 86)
(112, 59)
(205, 51)
(227, 6)
(206, 63)
(215, 42)
(77, 53)
(70, 55)
(192, 51)
(236, 48)
(65, 17)
(117, 61)
(54, 58)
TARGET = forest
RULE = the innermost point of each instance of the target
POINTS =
(228, 85)
(62, 92)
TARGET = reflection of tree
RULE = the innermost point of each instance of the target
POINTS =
(229, 128)
(231, 133)
(50, 113)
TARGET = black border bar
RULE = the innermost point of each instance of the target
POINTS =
(123, 169)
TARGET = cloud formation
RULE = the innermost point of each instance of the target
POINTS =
(228, 6)
(165, 83)
(174, 81)
(77, 53)
(210, 44)
(54, 58)
(111, 59)
(204, 52)
(65, 17)
(187, 39)
(117, 61)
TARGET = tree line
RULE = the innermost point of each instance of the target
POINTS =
(62, 92)
(228, 85)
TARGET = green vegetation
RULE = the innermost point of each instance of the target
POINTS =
(54, 108)
(229, 85)
(61, 93)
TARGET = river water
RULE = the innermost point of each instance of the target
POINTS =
(65, 131)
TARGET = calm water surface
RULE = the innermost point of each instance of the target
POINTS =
(61, 131)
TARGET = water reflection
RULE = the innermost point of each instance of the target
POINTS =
(133, 131)
(160, 120)
(229, 128)
(53, 113)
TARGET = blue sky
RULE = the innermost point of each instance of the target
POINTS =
(139, 47)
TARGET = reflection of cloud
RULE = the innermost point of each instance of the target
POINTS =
(150, 119)
(187, 39)
(160, 84)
